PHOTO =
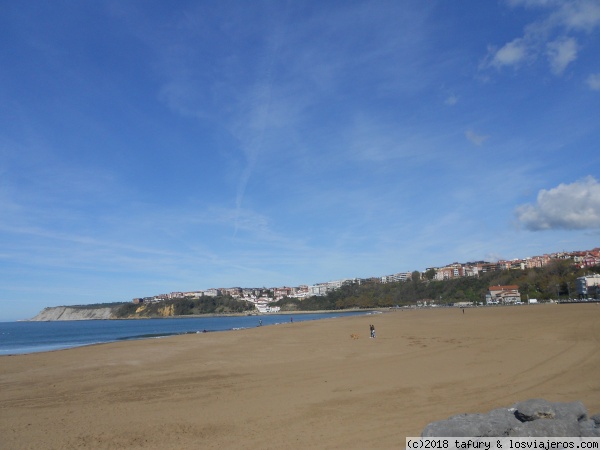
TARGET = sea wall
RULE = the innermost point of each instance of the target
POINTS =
(73, 313)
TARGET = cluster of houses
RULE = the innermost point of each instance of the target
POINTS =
(587, 287)
(582, 259)
(263, 297)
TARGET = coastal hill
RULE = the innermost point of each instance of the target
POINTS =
(128, 310)
(554, 281)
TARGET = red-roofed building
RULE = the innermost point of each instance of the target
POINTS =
(503, 294)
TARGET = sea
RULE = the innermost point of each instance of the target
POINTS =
(32, 337)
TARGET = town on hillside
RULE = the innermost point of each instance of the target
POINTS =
(263, 297)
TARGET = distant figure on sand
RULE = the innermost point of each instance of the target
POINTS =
(291, 319)
(372, 328)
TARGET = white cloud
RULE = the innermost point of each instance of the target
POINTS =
(561, 53)
(551, 35)
(532, 3)
(573, 206)
(582, 15)
(451, 100)
(593, 81)
(510, 54)
(477, 139)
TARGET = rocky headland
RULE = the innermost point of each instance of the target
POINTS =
(75, 313)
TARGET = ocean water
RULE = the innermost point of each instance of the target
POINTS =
(31, 337)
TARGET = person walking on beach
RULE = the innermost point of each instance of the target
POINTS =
(372, 328)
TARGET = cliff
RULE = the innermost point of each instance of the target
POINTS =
(75, 313)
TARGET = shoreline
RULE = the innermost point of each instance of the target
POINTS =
(149, 328)
(309, 382)
(197, 316)
(321, 311)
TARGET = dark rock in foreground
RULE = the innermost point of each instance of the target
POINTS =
(531, 418)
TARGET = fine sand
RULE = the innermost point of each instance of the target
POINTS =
(301, 385)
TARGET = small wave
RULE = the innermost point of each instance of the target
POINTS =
(146, 336)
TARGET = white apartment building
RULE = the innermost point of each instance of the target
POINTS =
(588, 286)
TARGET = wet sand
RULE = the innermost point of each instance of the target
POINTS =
(301, 385)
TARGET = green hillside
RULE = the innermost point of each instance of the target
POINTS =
(184, 307)
(555, 281)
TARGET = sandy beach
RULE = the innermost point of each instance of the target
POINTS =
(301, 385)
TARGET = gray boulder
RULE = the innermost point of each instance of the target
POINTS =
(534, 409)
(545, 428)
(531, 418)
(570, 411)
(497, 422)
(589, 428)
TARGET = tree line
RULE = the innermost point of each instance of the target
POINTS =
(554, 281)
(185, 306)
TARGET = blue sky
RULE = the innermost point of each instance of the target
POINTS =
(149, 147)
